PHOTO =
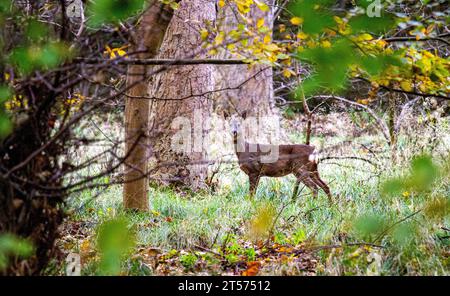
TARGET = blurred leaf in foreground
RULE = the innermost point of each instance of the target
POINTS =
(315, 15)
(114, 241)
(422, 175)
(33, 57)
(369, 225)
(5, 123)
(261, 222)
(404, 233)
(331, 65)
(112, 11)
(437, 208)
(11, 245)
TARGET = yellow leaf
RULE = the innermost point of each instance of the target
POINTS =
(406, 85)
(288, 73)
(423, 88)
(272, 47)
(429, 29)
(363, 101)
(381, 43)
(221, 3)
(260, 23)
(311, 43)
(365, 37)
(243, 8)
(282, 28)
(262, 6)
(85, 246)
(119, 52)
(231, 46)
(115, 52)
(326, 44)
(219, 38)
(267, 39)
(384, 82)
(204, 34)
(302, 35)
(296, 21)
(427, 54)
(338, 20)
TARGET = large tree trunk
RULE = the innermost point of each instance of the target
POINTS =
(149, 37)
(254, 96)
(181, 96)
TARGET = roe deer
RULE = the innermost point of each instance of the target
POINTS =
(299, 160)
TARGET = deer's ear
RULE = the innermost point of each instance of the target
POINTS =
(244, 114)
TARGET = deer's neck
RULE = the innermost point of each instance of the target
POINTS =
(240, 146)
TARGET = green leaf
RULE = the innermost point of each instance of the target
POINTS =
(368, 225)
(11, 245)
(423, 173)
(114, 242)
(393, 187)
(5, 6)
(113, 11)
(375, 65)
(5, 93)
(316, 14)
(33, 57)
(403, 234)
(331, 65)
(36, 30)
(5, 125)
(377, 25)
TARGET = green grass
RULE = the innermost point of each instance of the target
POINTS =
(222, 221)
(184, 222)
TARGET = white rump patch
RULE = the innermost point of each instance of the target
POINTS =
(314, 157)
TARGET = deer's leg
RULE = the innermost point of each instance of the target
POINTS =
(254, 181)
(316, 178)
(295, 192)
(308, 181)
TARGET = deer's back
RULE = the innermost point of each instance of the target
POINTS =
(290, 158)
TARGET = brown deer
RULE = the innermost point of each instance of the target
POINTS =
(299, 160)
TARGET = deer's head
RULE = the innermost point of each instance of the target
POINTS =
(235, 125)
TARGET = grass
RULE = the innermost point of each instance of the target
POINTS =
(361, 233)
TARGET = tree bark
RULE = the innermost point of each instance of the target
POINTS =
(182, 94)
(149, 37)
(254, 98)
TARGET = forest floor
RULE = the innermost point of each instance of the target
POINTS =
(224, 232)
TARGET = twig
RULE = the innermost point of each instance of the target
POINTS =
(208, 250)
(164, 62)
(395, 224)
(326, 247)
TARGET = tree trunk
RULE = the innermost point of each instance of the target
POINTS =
(254, 96)
(182, 99)
(149, 37)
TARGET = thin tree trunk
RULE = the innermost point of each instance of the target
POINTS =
(392, 106)
(182, 93)
(149, 37)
